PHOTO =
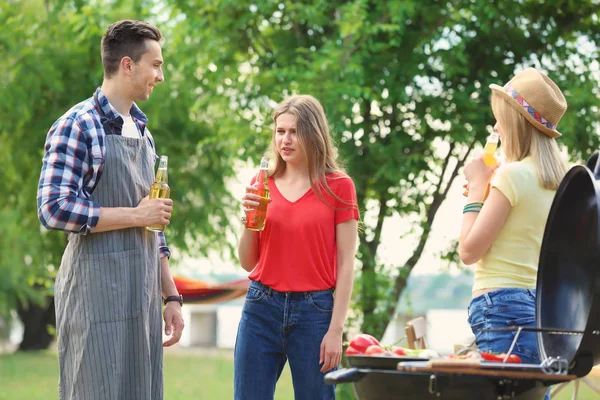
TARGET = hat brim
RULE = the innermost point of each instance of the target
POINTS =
(544, 129)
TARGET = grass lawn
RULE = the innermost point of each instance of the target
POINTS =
(34, 376)
(188, 375)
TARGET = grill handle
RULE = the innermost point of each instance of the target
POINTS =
(346, 375)
(593, 164)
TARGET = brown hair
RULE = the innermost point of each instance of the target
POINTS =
(313, 134)
(521, 139)
(125, 39)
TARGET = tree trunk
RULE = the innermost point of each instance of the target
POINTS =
(37, 319)
(376, 322)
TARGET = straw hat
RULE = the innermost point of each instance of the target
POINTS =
(537, 98)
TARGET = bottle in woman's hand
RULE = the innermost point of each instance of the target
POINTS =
(489, 159)
(255, 219)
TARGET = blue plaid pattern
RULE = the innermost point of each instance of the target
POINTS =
(72, 165)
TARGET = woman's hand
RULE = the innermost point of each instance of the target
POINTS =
(331, 350)
(477, 173)
(250, 199)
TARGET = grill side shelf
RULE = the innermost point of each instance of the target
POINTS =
(476, 367)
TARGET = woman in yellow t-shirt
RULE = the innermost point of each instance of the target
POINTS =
(503, 236)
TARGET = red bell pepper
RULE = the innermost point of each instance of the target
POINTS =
(513, 358)
(363, 341)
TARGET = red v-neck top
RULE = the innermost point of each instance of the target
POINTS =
(298, 244)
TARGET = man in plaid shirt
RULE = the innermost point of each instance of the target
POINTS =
(97, 170)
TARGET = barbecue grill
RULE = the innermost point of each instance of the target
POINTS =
(567, 318)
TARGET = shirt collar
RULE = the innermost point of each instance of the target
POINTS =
(111, 112)
(137, 114)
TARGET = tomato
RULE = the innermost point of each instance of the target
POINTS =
(375, 349)
(351, 351)
(399, 351)
(363, 341)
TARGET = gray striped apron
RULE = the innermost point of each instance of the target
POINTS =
(107, 292)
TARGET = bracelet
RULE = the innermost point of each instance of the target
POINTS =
(473, 207)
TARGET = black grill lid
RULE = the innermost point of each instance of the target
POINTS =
(568, 280)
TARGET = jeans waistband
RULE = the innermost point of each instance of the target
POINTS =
(490, 296)
(270, 291)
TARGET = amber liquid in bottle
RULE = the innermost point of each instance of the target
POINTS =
(489, 151)
(489, 158)
(255, 220)
(160, 188)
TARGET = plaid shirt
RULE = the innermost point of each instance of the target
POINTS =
(72, 166)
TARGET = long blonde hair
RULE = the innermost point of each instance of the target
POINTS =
(521, 139)
(312, 130)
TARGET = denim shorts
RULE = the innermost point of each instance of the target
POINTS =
(505, 308)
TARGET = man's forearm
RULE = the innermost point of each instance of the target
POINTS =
(167, 282)
(114, 218)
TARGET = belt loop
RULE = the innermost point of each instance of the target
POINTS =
(531, 293)
(269, 291)
(488, 299)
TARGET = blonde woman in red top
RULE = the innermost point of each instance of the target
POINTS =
(301, 265)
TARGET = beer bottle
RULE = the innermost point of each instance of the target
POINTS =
(489, 150)
(489, 158)
(255, 220)
(160, 188)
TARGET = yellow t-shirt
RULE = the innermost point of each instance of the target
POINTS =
(512, 260)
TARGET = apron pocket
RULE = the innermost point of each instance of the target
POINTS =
(112, 285)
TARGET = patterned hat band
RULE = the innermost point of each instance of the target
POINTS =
(513, 93)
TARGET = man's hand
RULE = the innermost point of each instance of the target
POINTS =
(331, 350)
(173, 323)
(153, 212)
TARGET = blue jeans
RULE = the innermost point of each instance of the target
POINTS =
(500, 309)
(276, 327)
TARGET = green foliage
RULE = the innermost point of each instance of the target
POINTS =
(23, 278)
(404, 84)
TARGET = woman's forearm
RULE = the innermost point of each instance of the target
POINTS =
(343, 292)
(248, 249)
(465, 248)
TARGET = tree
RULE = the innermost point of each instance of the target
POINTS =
(35, 87)
(404, 84)
(52, 61)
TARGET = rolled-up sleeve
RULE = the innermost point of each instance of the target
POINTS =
(162, 245)
(64, 166)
